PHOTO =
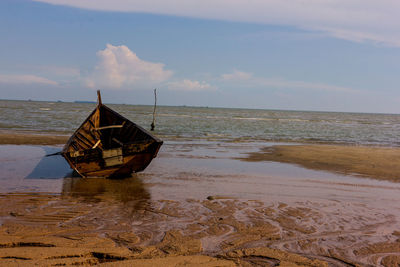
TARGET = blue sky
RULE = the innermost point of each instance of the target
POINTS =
(278, 54)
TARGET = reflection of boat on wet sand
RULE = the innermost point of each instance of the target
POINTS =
(109, 145)
(130, 190)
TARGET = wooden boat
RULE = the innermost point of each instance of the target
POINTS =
(109, 145)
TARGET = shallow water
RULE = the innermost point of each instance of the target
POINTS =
(193, 170)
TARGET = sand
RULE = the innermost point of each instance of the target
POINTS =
(53, 230)
(159, 218)
(26, 138)
(373, 162)
(50, 230)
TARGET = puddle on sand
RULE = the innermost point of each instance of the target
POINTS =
(183, 171)
(27, 169)
(179, 175)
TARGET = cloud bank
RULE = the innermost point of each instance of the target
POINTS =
(237, 75)
(355, 20)
(189, 85)
(25, 79)
(119, 68)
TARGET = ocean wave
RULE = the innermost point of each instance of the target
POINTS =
(256, 119)
(225, 125)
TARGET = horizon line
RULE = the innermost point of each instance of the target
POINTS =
(191, 106)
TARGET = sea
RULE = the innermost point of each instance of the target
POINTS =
(183, 123)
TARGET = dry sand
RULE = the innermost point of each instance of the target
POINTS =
(119, 223)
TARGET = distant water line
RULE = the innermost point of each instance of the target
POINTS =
(217, 124)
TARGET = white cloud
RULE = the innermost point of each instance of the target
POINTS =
(26, 79)
(245, 79)
(236, 75)
(120, 68)
(355, 20)
(189, 85)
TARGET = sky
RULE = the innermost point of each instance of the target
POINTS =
(332, 55)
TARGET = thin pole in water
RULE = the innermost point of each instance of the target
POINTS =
(154, 111)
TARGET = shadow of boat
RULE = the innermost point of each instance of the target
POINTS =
(54, 167)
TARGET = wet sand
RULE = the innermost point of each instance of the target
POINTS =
(26, 138)
(198, 205)
(373, 162)
(55, 230)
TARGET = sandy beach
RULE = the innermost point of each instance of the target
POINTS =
(200, 133)
(206, 204)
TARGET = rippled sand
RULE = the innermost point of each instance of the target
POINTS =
(51, 230)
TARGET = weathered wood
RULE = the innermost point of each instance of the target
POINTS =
(97, 143)
(109, 127)
(113, 157)
(83, 141)
(117, 141)
(99, 98)
(107, 144)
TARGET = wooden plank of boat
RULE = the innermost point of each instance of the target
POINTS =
(109, 145)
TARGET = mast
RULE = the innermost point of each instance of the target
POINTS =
(99, 98)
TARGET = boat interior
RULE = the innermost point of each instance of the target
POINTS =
(105, 129)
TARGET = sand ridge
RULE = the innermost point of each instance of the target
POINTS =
(373, 162)
(29, 138)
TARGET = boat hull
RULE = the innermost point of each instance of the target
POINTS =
(113, 163)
